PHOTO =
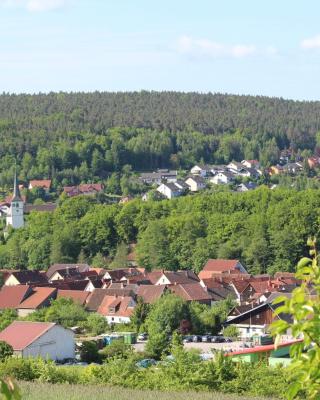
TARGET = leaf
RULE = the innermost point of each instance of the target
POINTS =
(293, 390)
(305, 261)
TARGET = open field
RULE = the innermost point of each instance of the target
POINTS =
(45, 391)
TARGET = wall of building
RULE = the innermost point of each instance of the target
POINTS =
(55, 344)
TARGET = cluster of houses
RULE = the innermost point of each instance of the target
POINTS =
(115, 293)
(201, 176)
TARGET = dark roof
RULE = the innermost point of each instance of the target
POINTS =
(49, 207)
(29, 277)
(57, 267)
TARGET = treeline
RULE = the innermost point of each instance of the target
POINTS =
(266, 229)
(77, 137)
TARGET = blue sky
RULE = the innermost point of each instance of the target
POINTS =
(244, 47)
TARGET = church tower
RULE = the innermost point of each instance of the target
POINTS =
(15, 213)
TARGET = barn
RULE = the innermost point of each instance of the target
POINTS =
(39, 339)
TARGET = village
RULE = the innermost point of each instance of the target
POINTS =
(114, 295)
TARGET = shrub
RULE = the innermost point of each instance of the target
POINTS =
(5, 350)
(89, 352)
(116, 349)
(231, 331)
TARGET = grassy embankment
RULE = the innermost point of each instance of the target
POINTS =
(45, 391)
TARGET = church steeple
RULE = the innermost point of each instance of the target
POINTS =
(16, 210)
(16, 192)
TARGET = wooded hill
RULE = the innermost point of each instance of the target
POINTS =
(74, 137)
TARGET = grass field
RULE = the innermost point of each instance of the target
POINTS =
(45, 391)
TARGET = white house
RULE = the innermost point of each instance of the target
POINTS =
(171, 189)
(251, 163)
(245, 187)
(117, 309)
(222, 178)
(196, 183)
(201, 170)
(39, 339)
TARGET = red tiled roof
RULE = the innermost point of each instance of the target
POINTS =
(122, 305)
(191, 292)
(57, 267)
(95, 299)
(150, 293)
(41, 183)
(76, 295)
(20, 334)
(38, 297)
(214, 266)
(12, 296)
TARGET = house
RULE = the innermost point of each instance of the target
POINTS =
(58, 267)
(245, 187)
(218, 266)
(159, 176)
(117, 309)
(44, 184)
(251, 164)
(95, 299)
(201, 170)
(174, 277)
(276, 170)
(257, 318)
(151, 293)
(39, 297)
(93, 284)
(171, 189)
(27, 277)
(224, 178)
(88, 189)
(192, 292)
(195, 183)
(39, 339)
(293, 168)
(65, 274)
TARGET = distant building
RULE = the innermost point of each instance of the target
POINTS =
(88, 189)
(44, 184)
(15, 213)
(222, 178)
(159, 176)
(218, 266)
(172, 189)
(195, 183)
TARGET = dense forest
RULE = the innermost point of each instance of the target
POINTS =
(81, 137)
(266, 229)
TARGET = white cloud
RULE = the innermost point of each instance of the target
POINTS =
(209, 48)
(35, 5)
(311, 43)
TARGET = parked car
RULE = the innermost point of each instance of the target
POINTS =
(187, 339)
(146, 362)
(143, 336)
(217, 339)
(206, 338)
(196, 338)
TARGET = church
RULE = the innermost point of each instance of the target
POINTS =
(15, 211)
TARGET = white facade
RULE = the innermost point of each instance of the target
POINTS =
(15, 214)
(194, 186)
(115, 319)
(55, 344)
(220, 178)
(166, 191)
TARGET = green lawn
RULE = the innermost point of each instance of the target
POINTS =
(45, 391)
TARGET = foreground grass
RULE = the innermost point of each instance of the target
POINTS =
(46, 391)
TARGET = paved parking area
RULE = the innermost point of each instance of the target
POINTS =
(204, 347)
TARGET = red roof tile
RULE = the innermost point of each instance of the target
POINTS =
(12, 296)
(191, 292)
(21, 334)
(150, 293)
(214, 266)
(76, 295)
(43, 183)
(38, 297)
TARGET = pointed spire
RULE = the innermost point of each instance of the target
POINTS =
(16, 192)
